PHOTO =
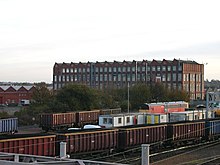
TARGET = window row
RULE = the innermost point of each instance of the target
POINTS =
(119, 77)
(122, 69)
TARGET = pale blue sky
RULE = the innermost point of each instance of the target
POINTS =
(34, 34)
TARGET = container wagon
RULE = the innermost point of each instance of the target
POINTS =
(184, 132)
(8, 125)
(33, 144)
(87, 117)
(88, 141)
(142, 134)
(57, 121)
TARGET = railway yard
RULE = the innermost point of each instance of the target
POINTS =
(206, 153)
(192, 141)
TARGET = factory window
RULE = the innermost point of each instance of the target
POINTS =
(128, 68)
(105, 77)
(174, 76)
(133, 77)
(158, 68)
(133, 68)
(119, 77)
(109, 77)
(124, 69)
(153, 68)
(67, 78)
(128, 77)
(179, 77)
(164, 68)
(123, 77)
(63, 78)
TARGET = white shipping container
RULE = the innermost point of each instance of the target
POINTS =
(113, 120)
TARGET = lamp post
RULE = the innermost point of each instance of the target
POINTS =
(128, 97)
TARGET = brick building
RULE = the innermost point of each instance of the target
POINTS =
(14, 94)
(175, 74)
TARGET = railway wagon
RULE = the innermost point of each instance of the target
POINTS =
(212, 129)
(54, 121)
(8, 125)
(87, 117)
(183, 132)
(142, 134)
(33, 144)
(87, 141)
(110, 111)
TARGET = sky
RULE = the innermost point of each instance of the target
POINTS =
(35, 34)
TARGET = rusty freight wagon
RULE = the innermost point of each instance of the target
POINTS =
(32, 144)
(145, 134)
(110, 111)
(88, 141)
(184, 132)
(57, 121)
(87, 117)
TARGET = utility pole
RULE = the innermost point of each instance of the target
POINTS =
(128, 97)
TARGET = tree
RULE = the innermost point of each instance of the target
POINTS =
(75, 97)
(42, 95)
(139, 94)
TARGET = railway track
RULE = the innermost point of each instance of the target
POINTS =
(133, 157)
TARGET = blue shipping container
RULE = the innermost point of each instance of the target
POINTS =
(9, 125)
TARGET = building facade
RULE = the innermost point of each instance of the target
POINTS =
(15, 94)
(175, 74)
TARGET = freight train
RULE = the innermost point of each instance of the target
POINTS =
(113, 140)
(59, 121)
